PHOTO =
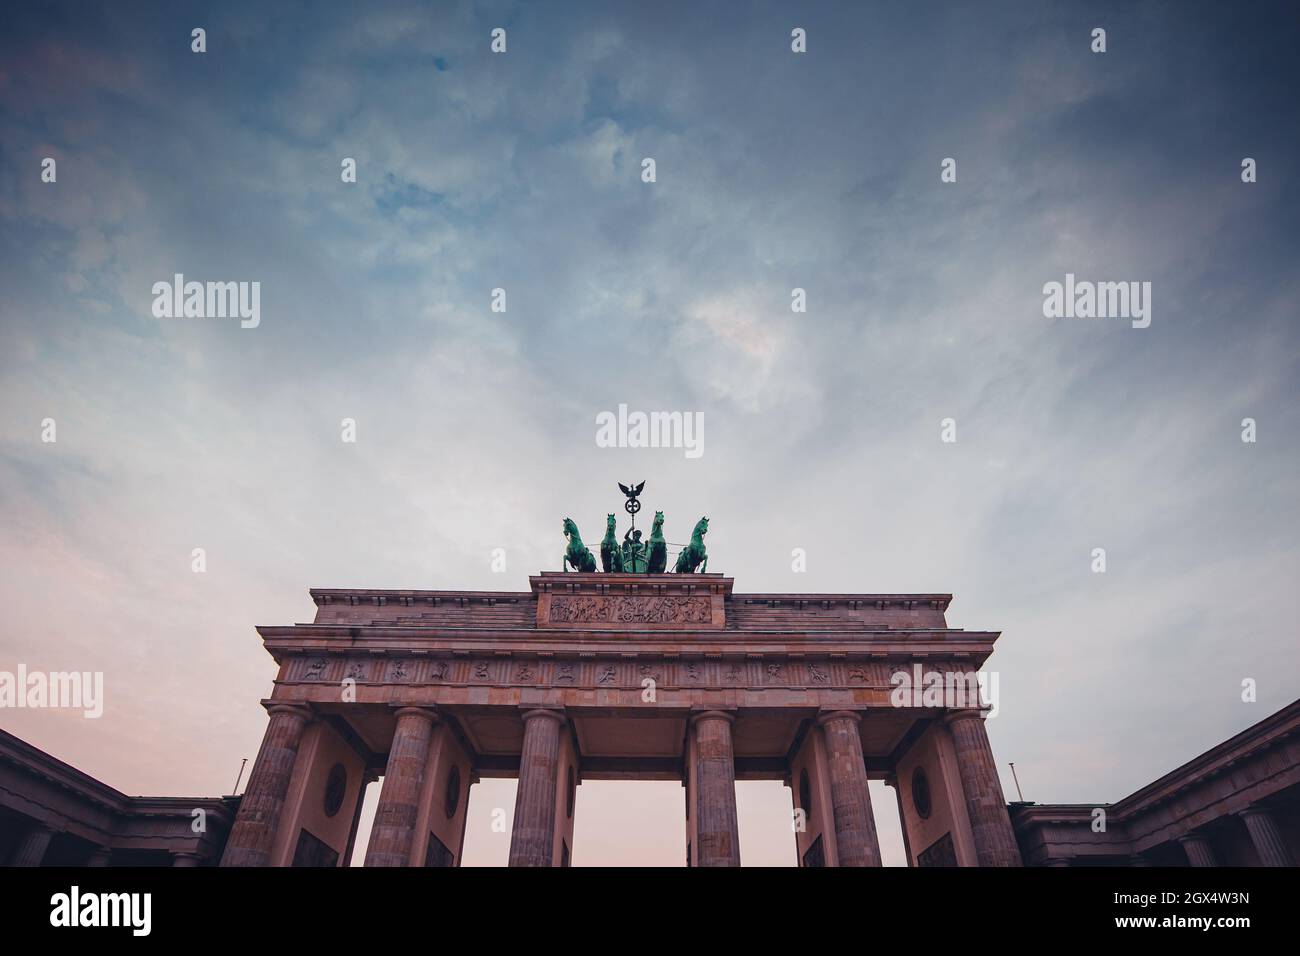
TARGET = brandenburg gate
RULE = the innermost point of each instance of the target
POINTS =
(617, 676)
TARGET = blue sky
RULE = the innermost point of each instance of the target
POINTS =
(476, 429)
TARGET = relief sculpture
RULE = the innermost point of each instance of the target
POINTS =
(630, 610)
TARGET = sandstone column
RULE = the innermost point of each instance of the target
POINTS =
(532, 841)
(185, 859)
(717, 837)
(1198, 849)
(31, 850)
(399, 800)
(855, 827)
(253, 835)
(1270, 846)
(995, 842)
(100, 856)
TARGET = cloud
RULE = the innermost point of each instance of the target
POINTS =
(476, 428)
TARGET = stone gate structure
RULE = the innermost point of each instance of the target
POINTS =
(617, 676)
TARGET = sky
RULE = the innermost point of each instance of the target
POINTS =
(823, 429)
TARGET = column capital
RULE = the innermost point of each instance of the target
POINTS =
(1254, 810)
(428, 712)
(962, 713)
(824, 716)
(290, 707)
(555, 713)
(698, 715)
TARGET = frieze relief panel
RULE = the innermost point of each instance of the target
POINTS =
(598, 674)
(590, 609)
(678, 612)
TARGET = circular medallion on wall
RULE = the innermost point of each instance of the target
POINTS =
(451, 800)
(336, 785)
(921, 793)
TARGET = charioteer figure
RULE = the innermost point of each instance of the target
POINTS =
(634, 557)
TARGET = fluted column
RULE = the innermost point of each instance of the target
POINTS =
(1266, 836)
(31, 850)
(855, 826)
(393, 832)
(253, 836)
(717, 836)
(1198, 850)
(100, 856)
(532, 841)
(995, 841)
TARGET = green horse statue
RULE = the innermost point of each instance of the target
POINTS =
(611, 555)
(658, 548)
(693, 556)
(576, 554)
